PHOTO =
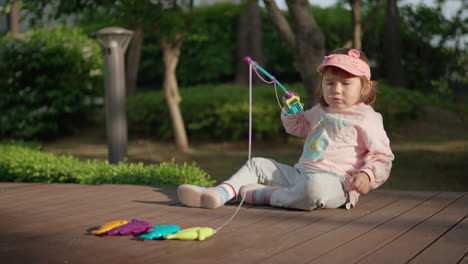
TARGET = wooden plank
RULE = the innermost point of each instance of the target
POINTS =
(421, 236)
(80, 209)
(450, 247)
(254, 216)
(465, 259)
(146, 249)
(259, 240)
(7, 186)
(31, 191)
(247, 217)
(189, 218)
(66, 204)
(17, 197)
(64, 232)
(50, 223)
(248, 225)
(336, 237)
(363, 245)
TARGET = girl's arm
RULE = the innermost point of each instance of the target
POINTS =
(378, 161)
(299, 125)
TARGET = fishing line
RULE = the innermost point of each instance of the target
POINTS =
(251, 68)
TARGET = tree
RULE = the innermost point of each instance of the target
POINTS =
(392, 46)
(306, 42)
(12, 9)
(357, 29)
(171, 39)
(169, 18)
(249, 39)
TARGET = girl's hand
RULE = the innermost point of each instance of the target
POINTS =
(360, 182)
(284, 97)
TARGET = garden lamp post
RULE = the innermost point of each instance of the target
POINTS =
(114, 41)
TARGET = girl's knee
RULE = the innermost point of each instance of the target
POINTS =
(320, 192)
(313, 194)
(256, 161)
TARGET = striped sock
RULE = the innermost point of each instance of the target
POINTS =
(226, 192)
(257, 193)
(205, 197)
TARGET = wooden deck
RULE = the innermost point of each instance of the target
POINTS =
(51, 223)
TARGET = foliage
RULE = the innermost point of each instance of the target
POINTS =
(210, 111)
(209, 47)
(221, 111)
(336, 26)
(398, 104)
(166, 18)
(49, 80)
(21, 163)
(276, 55)
(426, 40)
(208, 52)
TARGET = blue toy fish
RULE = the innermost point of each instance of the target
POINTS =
(160, 231)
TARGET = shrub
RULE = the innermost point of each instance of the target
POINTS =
(25, 163)
(210, 111)
(221, 111)
(49, 81)
(399, 104)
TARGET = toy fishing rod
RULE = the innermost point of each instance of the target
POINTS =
(292, 100)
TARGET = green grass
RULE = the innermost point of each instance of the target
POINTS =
(431, 153)
(429, 170)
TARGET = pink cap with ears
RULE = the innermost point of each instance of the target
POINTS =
(348, 62)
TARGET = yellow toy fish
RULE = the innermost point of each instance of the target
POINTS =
(109, 226)
(193, 233)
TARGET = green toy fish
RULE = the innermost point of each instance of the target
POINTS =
(194, 233)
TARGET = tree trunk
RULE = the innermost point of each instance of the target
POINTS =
(356, 18)
(373, 14)
(392, 46)
(14, 18)
(171, 52)
(133, 61)
(249, 41)
(307, 42)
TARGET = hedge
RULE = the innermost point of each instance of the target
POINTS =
(221, 111)
(27, 163)
(210, 112)
(51, 79)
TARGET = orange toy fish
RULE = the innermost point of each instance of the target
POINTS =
(109, 226)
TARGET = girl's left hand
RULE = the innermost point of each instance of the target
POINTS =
(359, 182)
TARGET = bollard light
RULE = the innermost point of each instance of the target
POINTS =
(114, 42)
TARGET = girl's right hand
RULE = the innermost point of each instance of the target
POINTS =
(286, 98)
(359, 182)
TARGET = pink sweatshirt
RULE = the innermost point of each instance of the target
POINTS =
(345, 142)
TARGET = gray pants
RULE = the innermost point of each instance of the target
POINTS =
(302, 188)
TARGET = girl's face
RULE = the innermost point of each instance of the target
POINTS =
(341, 89)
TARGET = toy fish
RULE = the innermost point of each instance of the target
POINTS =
(136, 227)
(193, 233)
(109, 226)
(160, 231)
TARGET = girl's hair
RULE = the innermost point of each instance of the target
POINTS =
(368, 88)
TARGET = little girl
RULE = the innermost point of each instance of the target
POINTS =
(346, 150)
